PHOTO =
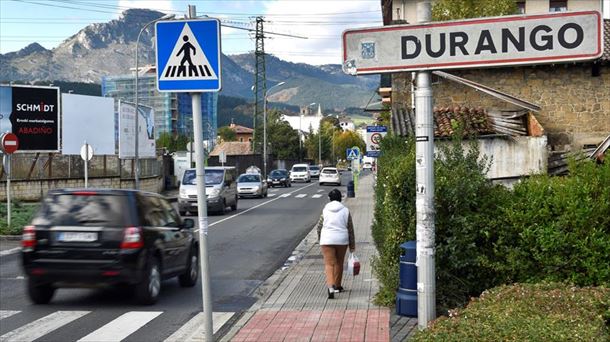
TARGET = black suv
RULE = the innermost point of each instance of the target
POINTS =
(84, 238)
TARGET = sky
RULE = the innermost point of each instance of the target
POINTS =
(318, 24)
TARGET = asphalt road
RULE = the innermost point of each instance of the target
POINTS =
(245, 248)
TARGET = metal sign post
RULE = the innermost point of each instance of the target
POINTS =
(86, 152)
(9, 143)
(188, 60)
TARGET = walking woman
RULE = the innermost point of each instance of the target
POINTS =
(336, 233)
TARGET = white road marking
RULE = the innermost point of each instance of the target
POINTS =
(271, 195)
(320, 190)
(300, 195)
(193, 330)
(316, 196)
(43, 326)
(7, 313)
(285, 195)
(10, 251)
(122, 326)
(256, 206)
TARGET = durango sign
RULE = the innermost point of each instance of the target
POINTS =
(499, 41)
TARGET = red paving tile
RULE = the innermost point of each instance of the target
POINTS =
(337, 325)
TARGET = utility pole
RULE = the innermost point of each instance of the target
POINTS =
(260, 79)
(424, 208)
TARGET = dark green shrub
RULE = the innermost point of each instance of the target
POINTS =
(527, 312)
(21, 215)
(558, 228)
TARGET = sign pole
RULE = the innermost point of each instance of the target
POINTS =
(86, 165)
(8, 188)
(202, 207)
(424, 200)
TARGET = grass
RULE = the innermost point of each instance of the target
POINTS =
(21, 215)
(528, 312)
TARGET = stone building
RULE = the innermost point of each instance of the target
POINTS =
(574, 98)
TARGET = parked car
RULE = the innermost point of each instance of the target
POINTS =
(300, 172)
(253, 169)
(251, 185)
(330, 175)
(314, 171)
(279, 177)
(367, 166)
(85, 238)
(221, 190)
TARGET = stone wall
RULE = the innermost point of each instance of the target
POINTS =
(575, 105)
(33, 190)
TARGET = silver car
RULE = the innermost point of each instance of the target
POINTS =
(330, 175)
(251, 185)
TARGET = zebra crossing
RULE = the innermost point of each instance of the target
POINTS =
(320, 193)
(118, 329)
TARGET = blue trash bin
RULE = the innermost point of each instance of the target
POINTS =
(350, 189)
(406, 296)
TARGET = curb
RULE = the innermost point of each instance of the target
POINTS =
(10, 237)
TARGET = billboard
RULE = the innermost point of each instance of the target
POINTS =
(87, 118)
(127, 130)
(483, 42)
(32, 114)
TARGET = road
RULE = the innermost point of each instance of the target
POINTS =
(245, 248)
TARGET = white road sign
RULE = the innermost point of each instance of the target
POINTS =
(486, 42)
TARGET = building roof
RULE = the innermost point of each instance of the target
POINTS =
(475, 121)
(606, 55)
(232, 148)
(238, 129)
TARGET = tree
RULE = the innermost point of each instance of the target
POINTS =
(444, 10)
(346, 140)
(227, 134)
(282, 140)
(171, 143)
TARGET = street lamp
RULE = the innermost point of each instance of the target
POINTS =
(265, 129)
(137, 147)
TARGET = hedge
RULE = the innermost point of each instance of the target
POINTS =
(21, 215)
(526, 312)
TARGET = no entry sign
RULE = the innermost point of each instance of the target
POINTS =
(9, 143)
(486, 42)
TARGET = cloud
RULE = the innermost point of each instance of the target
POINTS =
(321, 21)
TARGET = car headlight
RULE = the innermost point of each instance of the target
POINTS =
(283, 179)
(213, 192)
(255, 188)
(183, 193)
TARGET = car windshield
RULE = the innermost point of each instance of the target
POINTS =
(299, 169)
(329, 171)
(84, 210)
(211, 177)
(314, 168)
(249, 179)
(277, 173)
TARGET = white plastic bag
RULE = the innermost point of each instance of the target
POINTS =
(353, 265)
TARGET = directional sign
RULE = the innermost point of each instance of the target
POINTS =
(374, 134)
(10, 143)
(487, 42)
(188, 55)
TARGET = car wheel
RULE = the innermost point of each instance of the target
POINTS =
(147, 291)
(40, 293)
(223, 210)
(191, 273)
(234, 206)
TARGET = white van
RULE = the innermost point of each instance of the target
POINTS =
(300, 172)
(220, 188)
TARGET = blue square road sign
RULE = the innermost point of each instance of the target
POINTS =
(188, 55)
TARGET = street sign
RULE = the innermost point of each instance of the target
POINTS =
(188, 55)
(353, 153)
(374, 135)
(485, 42)
(10, 143)
(86, 152)
(222, 157)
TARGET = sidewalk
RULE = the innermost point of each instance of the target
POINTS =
(297, 308)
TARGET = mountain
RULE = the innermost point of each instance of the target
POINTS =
(104, 49)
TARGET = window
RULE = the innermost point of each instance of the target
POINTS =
(558, 5)
(521, 7)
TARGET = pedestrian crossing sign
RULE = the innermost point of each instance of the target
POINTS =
(188, 55)
(353, 153)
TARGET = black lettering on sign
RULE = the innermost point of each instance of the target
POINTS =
(485, 43)
(518, 44)
(441, 50)
(562, 36)
(405, 40)
(547, 38)
(454, 43)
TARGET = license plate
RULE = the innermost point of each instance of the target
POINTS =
(76, 237)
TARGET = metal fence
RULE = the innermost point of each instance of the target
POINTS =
(37, 166)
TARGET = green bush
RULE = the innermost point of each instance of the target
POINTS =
(21, 215)
(558, 228)
(526, 312)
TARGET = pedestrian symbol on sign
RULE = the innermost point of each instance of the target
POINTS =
(184, 66)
